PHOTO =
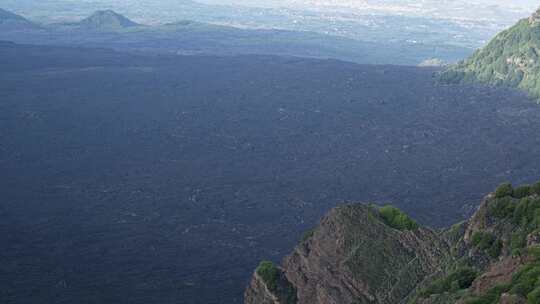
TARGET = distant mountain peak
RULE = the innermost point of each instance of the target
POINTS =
(12, 21)
(107, 20)
(5, 15)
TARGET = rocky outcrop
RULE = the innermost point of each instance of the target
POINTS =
(497, 274)
(533, 239)
(356, 256)
(258, 292)
(511, 299)
(269, 285)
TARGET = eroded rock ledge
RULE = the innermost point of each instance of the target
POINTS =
(366, 254)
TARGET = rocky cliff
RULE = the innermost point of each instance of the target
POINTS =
(366, 254)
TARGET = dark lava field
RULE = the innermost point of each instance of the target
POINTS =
(130, 179)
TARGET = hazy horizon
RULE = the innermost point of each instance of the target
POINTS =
(460, 9)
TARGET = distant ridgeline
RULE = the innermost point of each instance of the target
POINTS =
(109, 29)
(363, 254)
(511, 59)
(11, 21)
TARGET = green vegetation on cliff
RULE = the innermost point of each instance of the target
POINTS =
(487, 242)
(511, 59)
(504, 190)
(397, 219)
(369, 232)
(521, 207)
(269, 273)
(525, 283)
(460, 278)
(276, 282)
(504, 231)
(522, 191)
(536, 188)
(492, 258)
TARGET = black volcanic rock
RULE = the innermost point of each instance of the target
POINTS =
(145, 179)
(106, 20)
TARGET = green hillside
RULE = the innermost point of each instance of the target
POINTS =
(511, 59)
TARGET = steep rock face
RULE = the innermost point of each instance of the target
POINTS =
(495, 243)
(356, 255)
(269, 285)
(498, 273)
(258, 292)
(511, 299)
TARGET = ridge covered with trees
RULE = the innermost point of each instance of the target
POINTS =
(511, 59)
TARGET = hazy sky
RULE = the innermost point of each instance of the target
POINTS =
(524, 4)
(418, 7)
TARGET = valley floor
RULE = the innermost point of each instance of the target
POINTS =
(130, 179)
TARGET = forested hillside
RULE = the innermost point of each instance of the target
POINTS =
(511, 59)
